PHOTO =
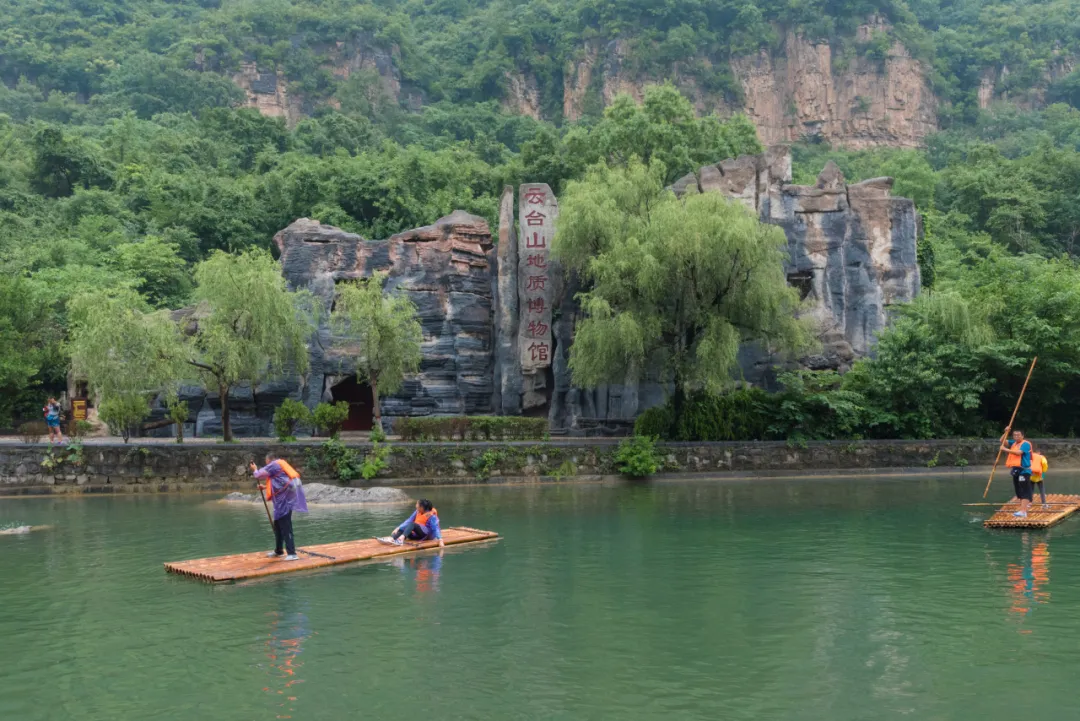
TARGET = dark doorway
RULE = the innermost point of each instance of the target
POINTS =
(360, 400)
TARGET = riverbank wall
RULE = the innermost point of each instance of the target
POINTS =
(100, 467)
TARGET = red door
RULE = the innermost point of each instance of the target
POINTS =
(360, 400)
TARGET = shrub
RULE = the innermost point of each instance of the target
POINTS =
(636, 457)
(375, 461)
(336, 459)
(82, 429)
(378, 435)
(330, 417)
(658, 422)
(122, 413)
(32, 431)
(475, 428)
(290, 414)
(737, 416)
(178, 414)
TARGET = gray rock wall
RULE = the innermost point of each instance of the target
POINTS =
(852, 254)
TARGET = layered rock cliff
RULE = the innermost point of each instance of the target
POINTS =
(498, 323)
(804, 89)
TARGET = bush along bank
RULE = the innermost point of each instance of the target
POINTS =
(172, 467)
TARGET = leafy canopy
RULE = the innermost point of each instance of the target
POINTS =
(674, 285)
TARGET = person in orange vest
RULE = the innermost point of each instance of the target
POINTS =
(422, 525)
(1039, 467)
(283, 487)
(1018, 461)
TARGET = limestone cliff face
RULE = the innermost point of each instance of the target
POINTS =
(267, 90)
(803, 94)
(852, 249)
(446, 269)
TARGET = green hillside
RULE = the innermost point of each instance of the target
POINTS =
(124, 159)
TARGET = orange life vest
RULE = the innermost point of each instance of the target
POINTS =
(289, 471)
(422, 518)
(1013, 461)
(1038, 466)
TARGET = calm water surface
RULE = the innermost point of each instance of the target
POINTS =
(824, 599)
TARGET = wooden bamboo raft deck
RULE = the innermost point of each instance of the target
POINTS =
(253, 565)
(1060, 507)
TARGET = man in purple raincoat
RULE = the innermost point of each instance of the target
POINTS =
(287, 494)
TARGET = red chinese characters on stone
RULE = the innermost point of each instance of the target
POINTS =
(536, 241)
(536, 305)
(537, 261)
(535, 282)
(538, 328)
(535, 197)
(538, 351)
(535, 217)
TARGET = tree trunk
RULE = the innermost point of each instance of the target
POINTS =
(376, 411)
(179, 432)
(678, 404)
(226, 427)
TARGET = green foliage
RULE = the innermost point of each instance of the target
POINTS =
(122, 413)
(475, 428)
(57, 457)
(637, 457)
(289, 415)
(126, 352)
(486, 462)
(249, 325)
(675, 286)
(82, 428)
(384, 329)
(376, 461)
(178, 414)
(329, 417)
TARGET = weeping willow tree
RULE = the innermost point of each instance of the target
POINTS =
(675, 286)
(248, 325)
(127, 353)
(387, 335)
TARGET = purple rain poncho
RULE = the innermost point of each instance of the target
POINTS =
(288, 493)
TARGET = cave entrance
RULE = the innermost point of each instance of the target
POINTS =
(361, 403)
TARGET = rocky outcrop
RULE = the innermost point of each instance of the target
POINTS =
(446, 269)
(802, 94)
(852, 250)
(804, 91)
(267, 92)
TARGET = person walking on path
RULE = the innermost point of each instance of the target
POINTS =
(51, 411)
(284, 489)
(1018, 461)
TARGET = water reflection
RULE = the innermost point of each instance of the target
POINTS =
(425, 569)
(289, 630)
(1029, 578)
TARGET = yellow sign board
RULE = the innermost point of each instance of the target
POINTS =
(78, 409)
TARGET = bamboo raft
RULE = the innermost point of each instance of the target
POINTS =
(253, 565)
(1059, 507)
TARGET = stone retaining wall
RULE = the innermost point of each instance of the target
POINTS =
(161, 467)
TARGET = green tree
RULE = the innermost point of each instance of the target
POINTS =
(383, 329)
(157, 269)
(127, 353)
(247, 326)
(28, 341)
(675, 286)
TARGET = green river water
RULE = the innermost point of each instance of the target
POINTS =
(846, 599)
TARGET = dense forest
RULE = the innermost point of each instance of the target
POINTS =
(125, 159)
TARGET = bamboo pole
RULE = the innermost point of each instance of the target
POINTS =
(1009, 427)
(1033, 504)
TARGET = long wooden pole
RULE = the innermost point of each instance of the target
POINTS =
(1009, 427)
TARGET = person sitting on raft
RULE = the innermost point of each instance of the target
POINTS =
(1018, 461)
(422, 525)
(283, 487)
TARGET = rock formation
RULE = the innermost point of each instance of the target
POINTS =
(498, 323)
(852, 248)
(446, 269)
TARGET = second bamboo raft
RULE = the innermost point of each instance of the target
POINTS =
(253, 565)
(1059, 507)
